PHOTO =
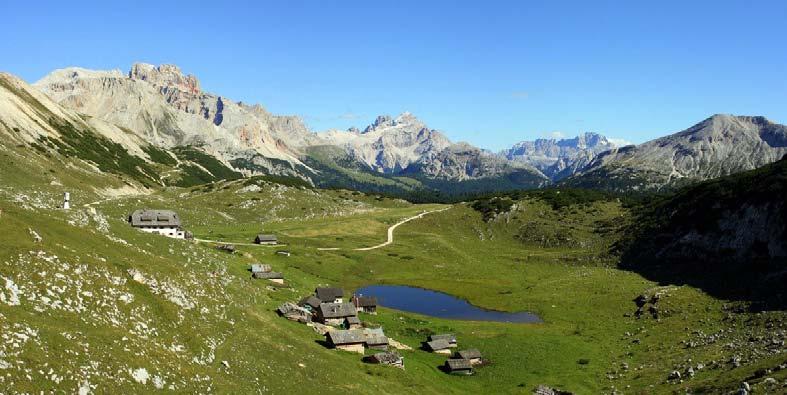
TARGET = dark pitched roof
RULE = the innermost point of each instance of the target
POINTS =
(142, 218)
(458, 364)
(310, 301)
(262, 237)
(365, 301)
(329, 294)
(351, 336)
(353, 320)
(468, 354)
(449, 337)
(336, 310)
(440, 344)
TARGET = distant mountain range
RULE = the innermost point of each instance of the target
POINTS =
(558, 159)
(208, 136)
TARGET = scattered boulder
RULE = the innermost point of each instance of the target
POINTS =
(230, 248)
(545, 390)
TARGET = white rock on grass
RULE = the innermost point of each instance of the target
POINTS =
(140, 375)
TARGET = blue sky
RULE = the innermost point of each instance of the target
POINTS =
(491, 73)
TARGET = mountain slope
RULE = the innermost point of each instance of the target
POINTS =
(32, 122)
(728, 236)
(718, 146)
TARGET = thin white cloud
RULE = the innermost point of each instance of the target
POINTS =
(349, 116)
(619, 142)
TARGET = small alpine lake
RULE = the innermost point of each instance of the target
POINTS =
(439, 304)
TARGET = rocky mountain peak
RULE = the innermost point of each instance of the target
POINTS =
(165, 75)
(406, 118)
(379, 122)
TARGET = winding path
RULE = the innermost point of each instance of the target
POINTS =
(390, 232)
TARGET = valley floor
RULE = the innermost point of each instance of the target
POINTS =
(96, 306)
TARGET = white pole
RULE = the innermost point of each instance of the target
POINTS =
(66, 201)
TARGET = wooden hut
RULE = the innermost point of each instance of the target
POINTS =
(366, 304)
(440, 346)
(347, 340)
(449, 337)
(335, 313)
(260, 268)
(458, 366)
(266, 239)
(376, 339)
(330, 294)
(472, 355)
(352, 323)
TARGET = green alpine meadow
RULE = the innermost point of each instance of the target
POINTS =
(587, 198)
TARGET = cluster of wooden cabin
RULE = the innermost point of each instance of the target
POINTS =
(343, 329)
(459, 362)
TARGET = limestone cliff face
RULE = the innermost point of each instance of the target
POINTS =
(718, 146)
(168, 108)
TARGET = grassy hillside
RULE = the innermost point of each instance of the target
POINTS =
(88, 302)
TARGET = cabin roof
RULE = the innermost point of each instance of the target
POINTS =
(351, 336)
(310, 301)
(352, 320)
(366, 301)
(336, 310)
(440, 344)
(260, 267)
(449, 337)
(328, 294)
(143, 218)
(262, 237)
(458, 364)
(472, 353)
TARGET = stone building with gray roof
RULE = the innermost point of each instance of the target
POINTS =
(162, 222)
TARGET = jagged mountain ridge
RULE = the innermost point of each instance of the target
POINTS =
(406, 146)
(558, 159)
(718, 146)
(169, 109)
(162, 106)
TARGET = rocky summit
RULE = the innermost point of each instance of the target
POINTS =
(718, 146)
